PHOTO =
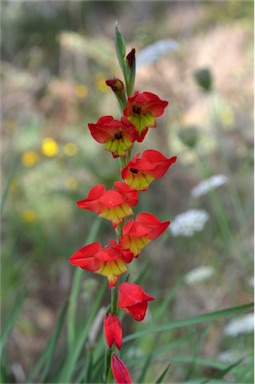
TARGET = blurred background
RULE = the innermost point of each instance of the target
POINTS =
(56, 56)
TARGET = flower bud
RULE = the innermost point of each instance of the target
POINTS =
(203, 77)
(113, 330)
(118, 88)
(131, 58)
(189, 136)
(115, 84)
(120, 371)
(130, 71)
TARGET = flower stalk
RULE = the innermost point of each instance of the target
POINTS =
(140, 111)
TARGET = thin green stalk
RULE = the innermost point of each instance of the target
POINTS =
(7, 184)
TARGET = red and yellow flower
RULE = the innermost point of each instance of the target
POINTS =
(103, 261)
(113, 205)
(133, 300)
(118, 136)
(136, 234)
(112, 330)
(140, 172)
(142, 110)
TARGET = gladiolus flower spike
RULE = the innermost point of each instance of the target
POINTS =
(140, 111)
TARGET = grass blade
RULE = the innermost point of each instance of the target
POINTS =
(46, 357)
(145, 368)
(190, 321)
(12, 320)
(223, 372)
(163, 374)
(7, 184)
(70, 364)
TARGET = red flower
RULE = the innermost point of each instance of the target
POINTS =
(120, 371)
(113, 330)
(142, 110)
(103, 261)
(113, 205)
(140, 172)
(118, 136)
(138, 233)
(133, 300)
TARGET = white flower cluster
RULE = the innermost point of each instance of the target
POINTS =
(189, 222)
(240, 325)
(153, 52)
(229, 357)
(198, 275)
(208, 185)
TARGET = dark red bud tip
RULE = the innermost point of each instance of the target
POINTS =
(115, 84)
(131, 58)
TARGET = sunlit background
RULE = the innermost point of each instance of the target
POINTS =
(56, 56)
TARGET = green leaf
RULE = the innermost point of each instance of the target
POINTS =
(7, 184)
(47, 356)
(69, 365)
(190, 321)
(223, 372)
(163, 374)
(120, 47)
(11, 321)
(145, 368)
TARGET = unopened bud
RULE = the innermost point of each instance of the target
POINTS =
(131, 58)
(115, 84)
(118, 88)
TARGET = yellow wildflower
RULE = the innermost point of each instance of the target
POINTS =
(49, 147)
(29, 216)
(71, 183)
(101, 84)
(29, 158)
(81, 91)
(70, 149)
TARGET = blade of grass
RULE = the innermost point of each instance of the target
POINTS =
(160, 350)
(200, 361)
(163, 374)
(145, 368)
(196, 347)
(223, 372)
(46, 358)
(75, 289)
(191, 321)
(68, 368)
(10, 323)
(7, 184)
